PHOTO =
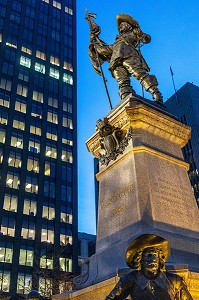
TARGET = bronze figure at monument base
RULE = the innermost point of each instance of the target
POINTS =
(147, 256)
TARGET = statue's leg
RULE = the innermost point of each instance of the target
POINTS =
(123, 79)
(149, 82)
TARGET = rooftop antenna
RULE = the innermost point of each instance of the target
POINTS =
(176, 96)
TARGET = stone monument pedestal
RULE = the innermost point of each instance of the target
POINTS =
(145, 189)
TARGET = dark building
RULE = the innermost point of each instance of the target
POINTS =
(86, 248)
(185, 105)
(38, 144)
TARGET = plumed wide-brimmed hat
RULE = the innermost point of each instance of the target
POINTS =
(126, 18)
(143, 242)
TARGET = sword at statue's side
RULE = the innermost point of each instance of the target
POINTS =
(95, 57)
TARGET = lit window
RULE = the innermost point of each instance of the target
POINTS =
(28, 230)
(5, 84)
(67, 122)
(35, 130)
(45, 286)
(48, 213)
(66, 218)
(30, 207)
(25, 61)
(0, 37)
(68, 79)
(68, 10)
(51, 151)
(40, 68)
(47, 235)
(46, 263)
(24, 49)
(65, 239)
(65, 264)
(68, 66)
(3, 117)
(31, 185)
(10, 202)
(18, 124)
(22, 90)
(17, 140)
(41, 55)
(14, 160)
(1, 155)
(33, 164)
(53, 102)
(24, 283)
(6, 253)
(8, 226)
(12, 180)
(20, 106)
(11, 45)
(26, 257)
(5, 280)
(2, 135)
(54, 60)
(67, 156)
(57, 4)
(34, 145)
(4, 100)
(51, 133)
(36, 110)
(52, 117)
(54, 73)
(37, 96)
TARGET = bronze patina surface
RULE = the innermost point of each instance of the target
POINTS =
(124, 56)
(147, 255)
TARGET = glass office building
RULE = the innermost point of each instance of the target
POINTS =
(184, 105)
(38, 144)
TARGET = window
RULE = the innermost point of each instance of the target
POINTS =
(41, 55)
(22, 90)
(19, 122)
(66, 214)
(51, 132)
(45, 284)
(65, 264)
(17, 140)
(65, 239)
(34, 145)
(68, 10)
(8, 68)
(14, 159)
(67, 156)
(33, 164)
(28, 230)
(6, 253)
(68, 79)
(46, 260)
(54, 73)
(34, 129)
(24, 75)
(30, 207)
(51, 151)
(40, 68)
(4, 100)
(53, 102)
(31, 185)
(3, 116)
(37, 96)
(54, 60)
(48, 212)
(49, 189)
(52, 117)
(2, 135)
(5, 280)
(57, 4)
(12, 180)
(67, 122)
(5, 84)
(37, 110)
(26, 256)
(50, 169)
(68, 66)
(1, 155)
(67, 107)
(20, 106)
(26, 50)
(24, 283)
(10, 202)
(25, 61)
(47, 235)
(8, 226)
(67, 138)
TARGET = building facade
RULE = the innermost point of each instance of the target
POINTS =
(86, 248)
(38, 145)
(185, 106)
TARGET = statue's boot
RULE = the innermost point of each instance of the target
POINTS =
(125, 90)
(150, 84)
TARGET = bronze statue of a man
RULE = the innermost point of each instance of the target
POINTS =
(124, 56)
(149, 280)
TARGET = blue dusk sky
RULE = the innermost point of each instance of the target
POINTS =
(174, 28)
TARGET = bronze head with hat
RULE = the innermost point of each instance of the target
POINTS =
(134, 253)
